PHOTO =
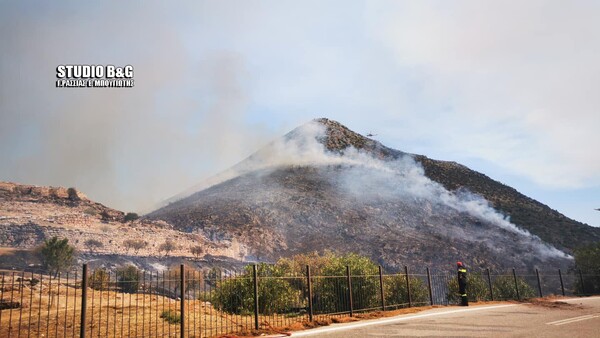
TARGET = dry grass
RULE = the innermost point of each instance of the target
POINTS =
(52, 308)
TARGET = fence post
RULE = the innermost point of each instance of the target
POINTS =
(408, 286)
(429, 286)
(487, 271)
(537, 273)
(255, 280)
(83, 301)
(349, 289)
(582, 285)
(381, 291)
(562, 286)
(310, 297)
(182, 303)
(516, 284)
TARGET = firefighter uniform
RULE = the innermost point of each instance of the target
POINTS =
(462, 284)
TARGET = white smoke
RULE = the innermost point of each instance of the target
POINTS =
(368, 178)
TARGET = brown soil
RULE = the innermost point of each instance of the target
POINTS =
(554, 302)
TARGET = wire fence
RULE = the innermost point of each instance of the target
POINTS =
(188, 303)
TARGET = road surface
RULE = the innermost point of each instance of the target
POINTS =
(579, 319)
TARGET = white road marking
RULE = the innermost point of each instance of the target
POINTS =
(392, 320)
(577, 298)
(311, 332)
(573, 320)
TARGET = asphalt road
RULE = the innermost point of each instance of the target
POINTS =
(581, 319)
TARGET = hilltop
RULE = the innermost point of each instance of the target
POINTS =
(323, 186)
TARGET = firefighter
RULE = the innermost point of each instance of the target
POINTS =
(462, 283)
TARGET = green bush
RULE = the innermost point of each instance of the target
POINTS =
(171, 316)
(477, 288)
(130, 217)
(331, 294)
(504, 288)
(587, 259)
(99, 279)
(128, 279)
(396, 293)
(56, 254)
(206, 296)
(236, 295)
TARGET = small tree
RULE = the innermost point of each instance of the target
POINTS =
(93, 244)
(587, 259)
(330, 294)
(130, 217)
(396, 293)
(105, 216)
(192, 282)
(167, 247)
(72, 194)
(135, 244)
(276, 295)
(99, 279)
(128, 279)
(197, 251)
(504, 288)
(56, 254)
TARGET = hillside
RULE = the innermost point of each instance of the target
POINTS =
(29, 214)
(323, 186)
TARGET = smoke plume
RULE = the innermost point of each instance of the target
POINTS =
(372, 181)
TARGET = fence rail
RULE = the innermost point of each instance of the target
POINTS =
(187, 303)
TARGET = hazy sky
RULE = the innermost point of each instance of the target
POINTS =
(509, 88)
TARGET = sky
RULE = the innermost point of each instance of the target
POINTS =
(508, 88)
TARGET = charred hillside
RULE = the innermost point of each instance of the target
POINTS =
(527, 213)
(324, 187)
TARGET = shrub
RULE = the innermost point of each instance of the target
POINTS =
(90, 211)
(99, 279)
(236, 295)
(330, 294)
(396, 293)
(171, 316)
(197, 251)
(135, 244)
(93, 244)
(73, 195)
(193, 282)
(56, 254)
(128, 279)
(167, 247)
(504, 288)
(477, 288)
(587, 259)
(206, 296)
(130, 217)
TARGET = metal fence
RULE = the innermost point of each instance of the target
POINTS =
(187, 303)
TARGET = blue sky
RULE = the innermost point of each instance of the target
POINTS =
(506, 88)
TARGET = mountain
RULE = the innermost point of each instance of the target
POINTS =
(325, 187)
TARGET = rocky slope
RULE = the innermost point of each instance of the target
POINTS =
(323, 186)
(29, 214)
